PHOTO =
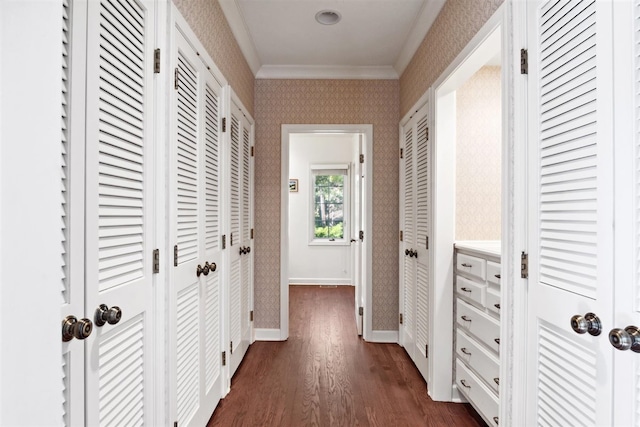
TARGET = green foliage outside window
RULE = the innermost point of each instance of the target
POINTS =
(329, 206)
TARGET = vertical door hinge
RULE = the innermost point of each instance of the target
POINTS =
(427, 245)
(251, 316)
(426, 351)
(224, 241)
(524, 61)
(230, 239)
(524, 265)
(401, 236)
(231, 347)
(361, 235)
(252, 152)
(175, 256)
(401, 318)
(224, 124)
(360, 311)
(175, 424)
(361, 158)
(427, 134)
(401, 153)
(156, 61)
(252, 233)
(156, 261)
(224, 358)
(175, 79)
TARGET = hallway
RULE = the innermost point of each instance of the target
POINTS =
(325, 375)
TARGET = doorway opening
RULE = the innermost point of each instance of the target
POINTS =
(326, 213)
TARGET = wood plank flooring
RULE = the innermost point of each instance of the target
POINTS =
(325, 375)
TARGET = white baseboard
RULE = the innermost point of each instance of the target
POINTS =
(267, 334)
(307, 281)
(384, 337)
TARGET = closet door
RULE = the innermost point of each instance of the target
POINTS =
(570, 212)
(119, 219)
(408, 244)
(195, 318)
(240, 220)
(423, 206)
(107, 222)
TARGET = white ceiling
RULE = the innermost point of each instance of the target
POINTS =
(374, 39)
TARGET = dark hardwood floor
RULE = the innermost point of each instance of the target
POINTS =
(325, 375)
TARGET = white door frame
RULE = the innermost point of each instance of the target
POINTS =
(287, 130)
(475, 54)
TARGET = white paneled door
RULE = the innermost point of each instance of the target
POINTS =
(197, 375)
(571, 188)
(107, 199)
(240, 233)
(415, 223)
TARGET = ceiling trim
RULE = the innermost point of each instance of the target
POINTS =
(241, 33)
(418, 32)
(386, 72)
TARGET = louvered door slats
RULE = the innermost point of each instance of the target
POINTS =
(422, 231)
(212, 165)
(188, 367)
(245, 187)
(235, 176)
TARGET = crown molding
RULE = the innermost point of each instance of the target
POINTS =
(241, 33)
(327, 72)
(419, 30)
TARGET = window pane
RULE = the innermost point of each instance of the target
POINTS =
(329, 206)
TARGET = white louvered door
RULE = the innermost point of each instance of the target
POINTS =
(571, 144)
(119, 221)
(195, 318)
(423, 206)
(408, 244)
(240, 222)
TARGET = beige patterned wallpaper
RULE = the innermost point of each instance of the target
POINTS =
(478, 156)
(455, 26)
(280, 102)
(207, 20)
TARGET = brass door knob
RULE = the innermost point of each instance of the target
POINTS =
(212, 267)
(104, 314)
(202, 270)
(74, 328)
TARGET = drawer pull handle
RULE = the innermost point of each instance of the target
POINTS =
(497, 340)
(465, 318)
(465, 351)
(466, 290)
(496, 420)
(497, 306)
(463, 382)
(497, 276)
(464, 264)
(497, 380)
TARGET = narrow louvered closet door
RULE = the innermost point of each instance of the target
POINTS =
(73, 19)
(408, 244)
(239, 207)
(119, 215)
(422, 200)
(571, 212)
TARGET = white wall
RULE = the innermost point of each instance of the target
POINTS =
(315, 264)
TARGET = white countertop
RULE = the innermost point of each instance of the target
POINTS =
(487, 247)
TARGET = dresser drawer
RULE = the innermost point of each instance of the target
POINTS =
(478, 359)
(493, 272)
(479, 324)
(472, 265)
(492, 300)
(483, 399)
(471, 290)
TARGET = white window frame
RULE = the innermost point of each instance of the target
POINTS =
(317, 169)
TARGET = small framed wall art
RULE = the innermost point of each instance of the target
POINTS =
(293, 185)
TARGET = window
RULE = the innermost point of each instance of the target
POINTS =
(329, 207)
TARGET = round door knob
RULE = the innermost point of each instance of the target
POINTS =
(241, 251)
(248, 249)
(587, 323)
(212, 267)
(625, 339)
(415, 254)
(205, 269)
(74, 328)
(104, 314)
(406, 251)
(199, 270)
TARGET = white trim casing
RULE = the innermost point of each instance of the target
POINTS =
(288, 129)
(325, 281)
(261, 334)
(385, 337)
(383, 72)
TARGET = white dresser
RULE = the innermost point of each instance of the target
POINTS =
(477, 325)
